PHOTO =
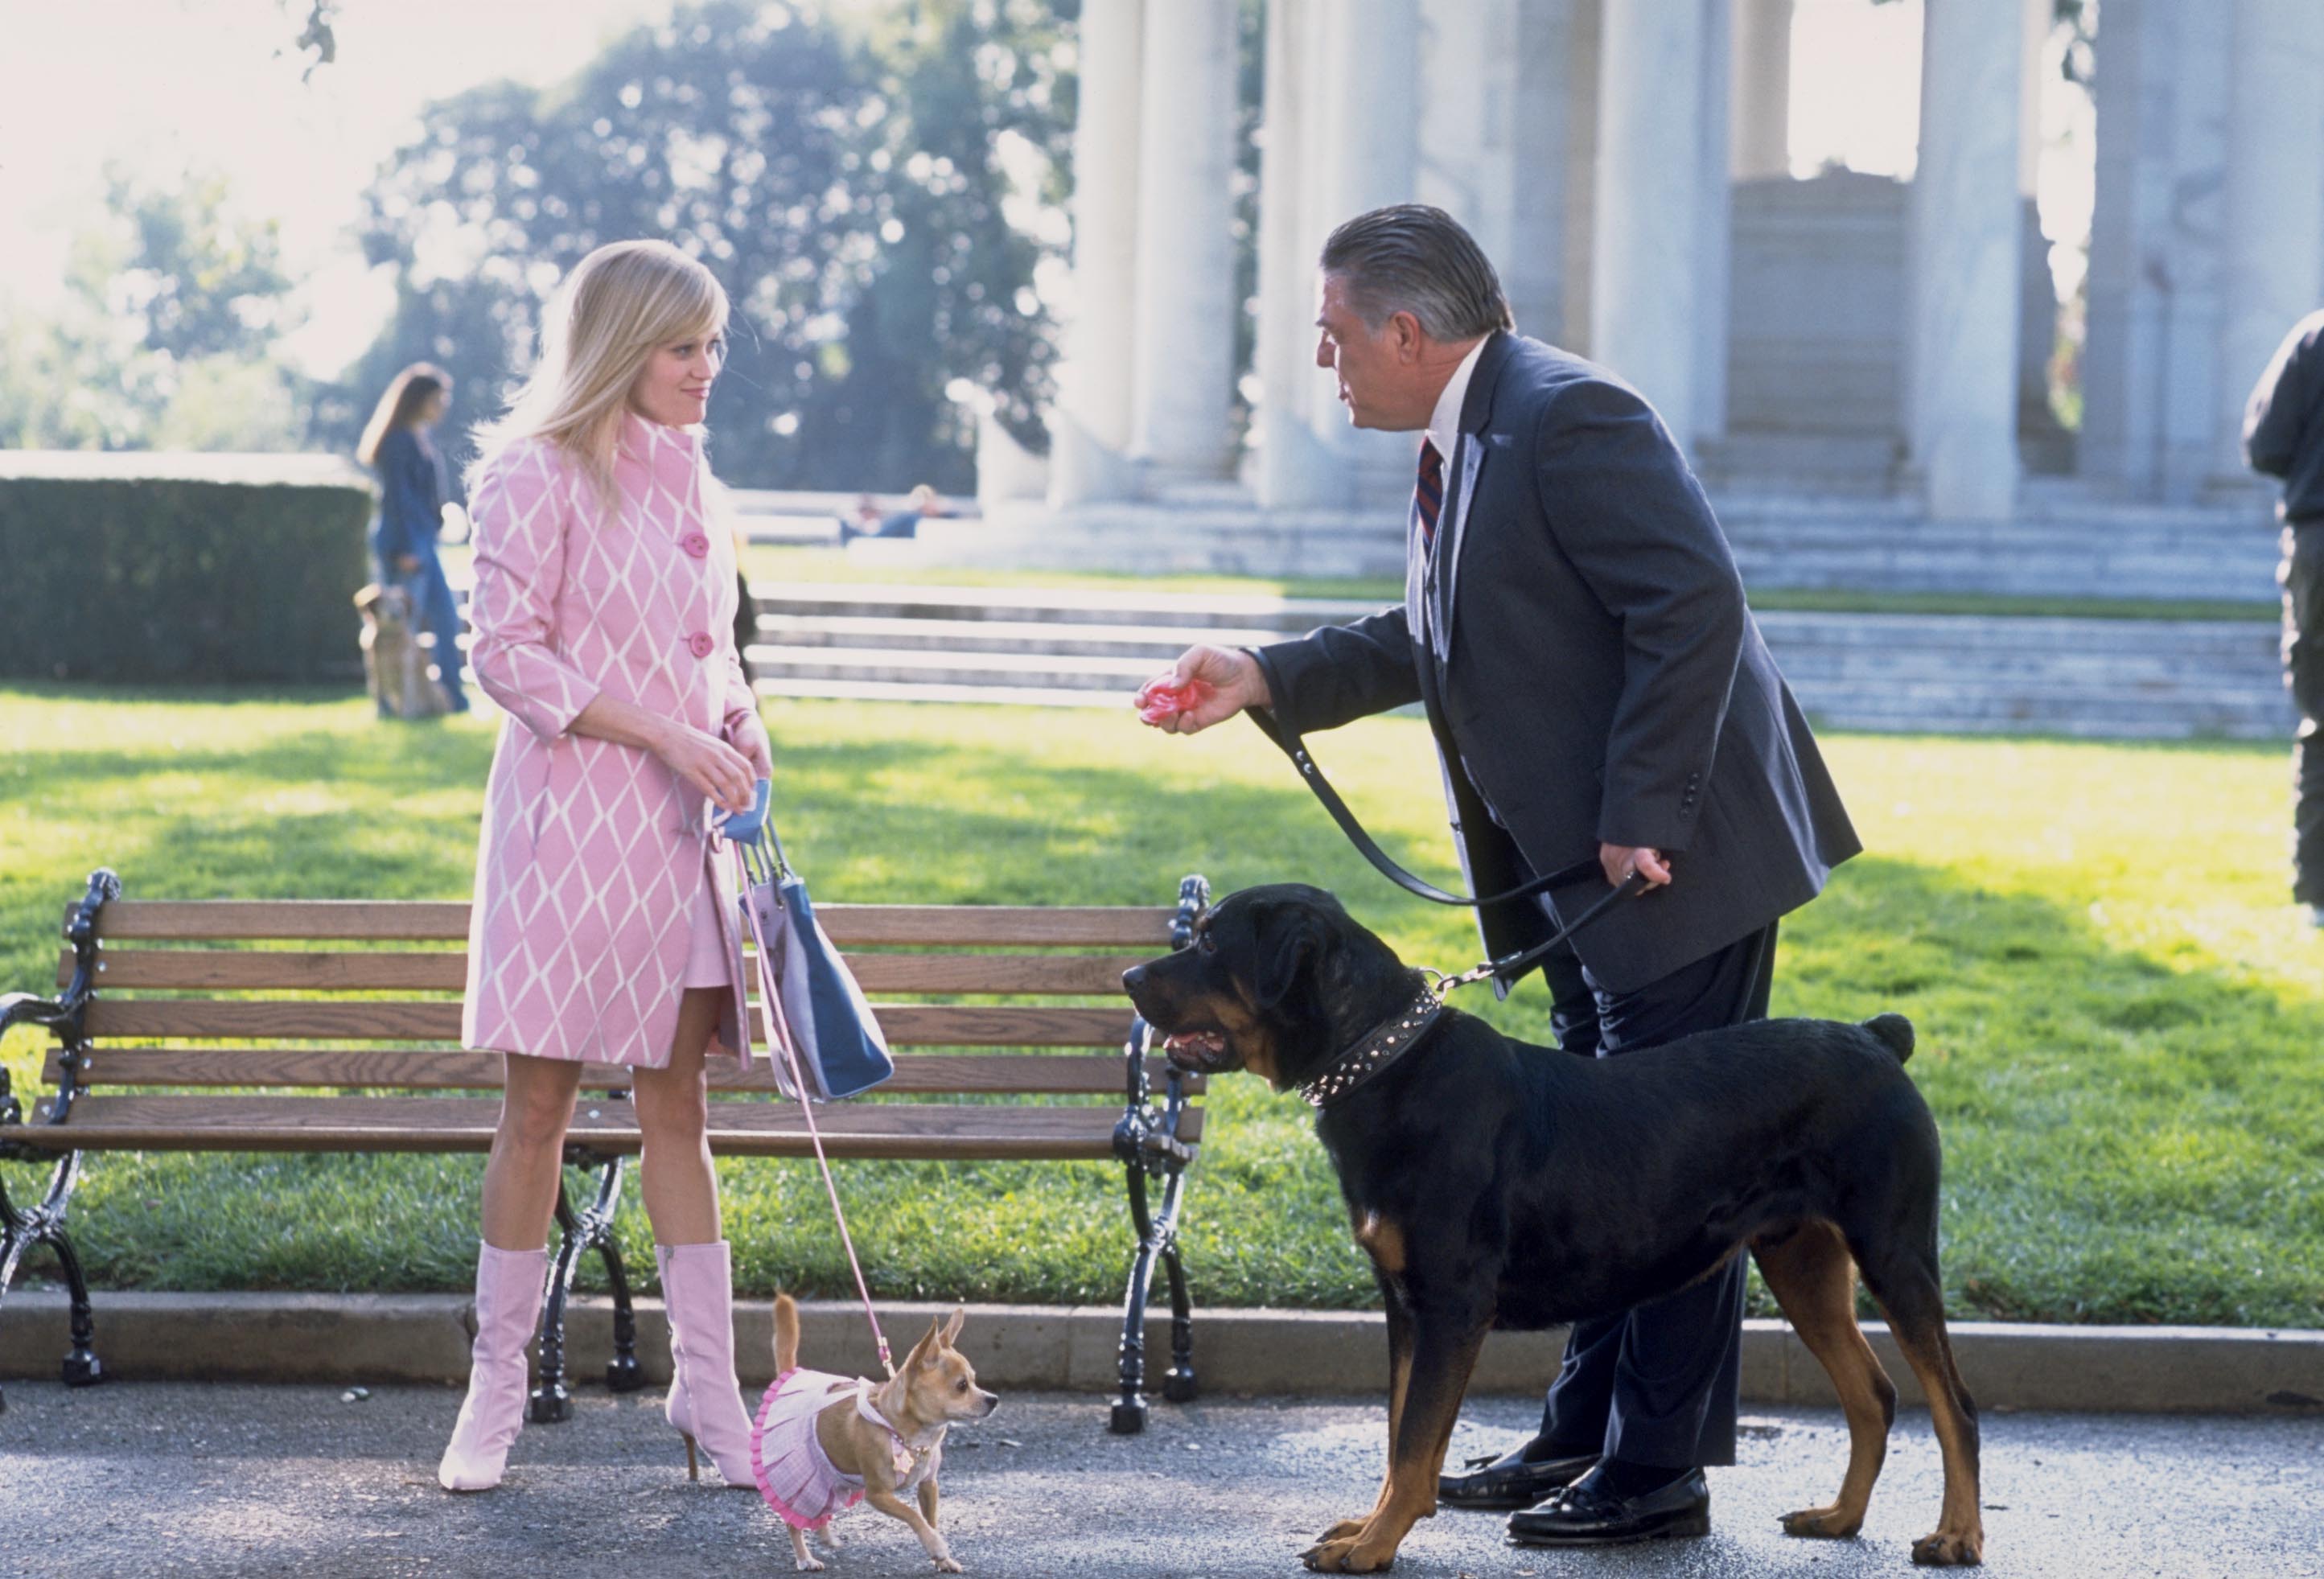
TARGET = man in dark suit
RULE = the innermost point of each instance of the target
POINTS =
(1575, 625)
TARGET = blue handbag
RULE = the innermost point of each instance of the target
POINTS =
(814, 1008)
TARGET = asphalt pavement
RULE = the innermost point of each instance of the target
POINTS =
(142, 1479)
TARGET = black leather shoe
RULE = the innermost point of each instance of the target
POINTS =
(1508, 1482)
(1585, 1514)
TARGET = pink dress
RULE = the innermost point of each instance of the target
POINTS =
(600, 891)
(795, 1475)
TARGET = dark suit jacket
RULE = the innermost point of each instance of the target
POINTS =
(1592, 674)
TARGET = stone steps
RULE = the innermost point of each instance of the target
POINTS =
(2064, 542)
(2109, 678)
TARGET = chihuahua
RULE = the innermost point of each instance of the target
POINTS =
(823, 1443)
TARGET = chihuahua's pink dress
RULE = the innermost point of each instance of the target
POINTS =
(795, 1475)
(599, 891)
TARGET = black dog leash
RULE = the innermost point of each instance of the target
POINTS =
(1507, 967)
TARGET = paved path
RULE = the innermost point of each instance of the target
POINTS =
(153, 1479)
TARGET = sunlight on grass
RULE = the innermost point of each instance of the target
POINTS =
(2119, 1014)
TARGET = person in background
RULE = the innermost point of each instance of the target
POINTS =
(925, 504)
(2284, 438)
(413, 489)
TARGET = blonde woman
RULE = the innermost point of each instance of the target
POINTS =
(604, 932)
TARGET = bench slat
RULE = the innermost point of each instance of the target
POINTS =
(968, 1074)
(446, 921)
(388, 1019)
(441, 1124)
(440, 971)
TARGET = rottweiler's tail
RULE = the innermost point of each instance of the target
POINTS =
(1896, 1033)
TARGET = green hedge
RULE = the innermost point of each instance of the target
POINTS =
(159, 576)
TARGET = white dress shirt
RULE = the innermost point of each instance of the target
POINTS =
(1444, 422)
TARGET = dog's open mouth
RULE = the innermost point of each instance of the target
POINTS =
(1196, 1049)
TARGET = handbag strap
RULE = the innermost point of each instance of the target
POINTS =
(1287, 740)
(784, 1045)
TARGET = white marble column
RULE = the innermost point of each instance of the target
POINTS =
(1365, 157)
(1962, 357)
(1090, 430)
(1291, 468)
(1647, 224)
(1493, 139)
(1714, 223)
(2272, 243)
(1761, 82)
(1186, 309)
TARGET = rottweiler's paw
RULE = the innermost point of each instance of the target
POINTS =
(1351, 1554)
(1342, 1531)
(1822, 1524)
(1949, 1550)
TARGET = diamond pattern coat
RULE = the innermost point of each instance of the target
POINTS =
(593, 854)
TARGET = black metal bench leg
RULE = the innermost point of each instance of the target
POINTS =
(550, 1400)
(20, 1230)
(622, 1372)
(81, 1366)
(1128, 1416)
(15, 1237)
(1179, 1381)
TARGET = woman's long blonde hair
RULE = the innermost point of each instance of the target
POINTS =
(604, 321)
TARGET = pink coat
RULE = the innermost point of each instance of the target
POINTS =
(593, 854)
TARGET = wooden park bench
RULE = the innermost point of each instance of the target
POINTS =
(223, 1026)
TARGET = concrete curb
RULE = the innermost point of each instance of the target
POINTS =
(365, 1338)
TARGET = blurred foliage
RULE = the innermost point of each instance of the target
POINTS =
(847, 181)
(178, 579)
(166, 334)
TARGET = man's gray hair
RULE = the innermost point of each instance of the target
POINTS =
(1410, 257)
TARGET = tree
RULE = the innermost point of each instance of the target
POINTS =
(844, 187)
(166, 334)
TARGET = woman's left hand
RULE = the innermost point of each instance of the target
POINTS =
(752, 741)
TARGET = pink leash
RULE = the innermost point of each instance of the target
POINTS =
(778, 1033)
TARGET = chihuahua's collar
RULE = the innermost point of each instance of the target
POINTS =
(905, 1457)
(1374, 1051)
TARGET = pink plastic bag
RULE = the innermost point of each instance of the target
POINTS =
(1160, 700)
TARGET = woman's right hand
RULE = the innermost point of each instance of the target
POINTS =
(710, 765)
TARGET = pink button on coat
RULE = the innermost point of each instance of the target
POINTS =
(593, 854)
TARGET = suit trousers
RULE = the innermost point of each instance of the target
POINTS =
(2302, 576)
(1659, 1383)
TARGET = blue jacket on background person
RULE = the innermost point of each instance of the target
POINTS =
(414, 487)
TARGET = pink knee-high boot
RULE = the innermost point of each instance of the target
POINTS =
(706, 1402)
(508, 1286)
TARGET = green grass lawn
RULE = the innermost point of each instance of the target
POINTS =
(2120, 1018)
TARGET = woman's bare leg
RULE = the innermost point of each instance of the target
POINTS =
(522, 1177)
(675, 1178)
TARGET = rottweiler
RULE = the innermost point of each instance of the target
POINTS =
(1497, 1184)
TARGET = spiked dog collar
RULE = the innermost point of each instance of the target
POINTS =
(1379, 1047)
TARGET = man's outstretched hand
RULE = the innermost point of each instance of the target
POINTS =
(1208, 685)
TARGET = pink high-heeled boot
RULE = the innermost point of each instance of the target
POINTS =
(508, 1287)
(706, 1401)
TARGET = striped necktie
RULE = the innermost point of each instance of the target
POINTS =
(1428, 494)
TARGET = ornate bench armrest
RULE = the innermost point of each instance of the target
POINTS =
(23, 1009)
